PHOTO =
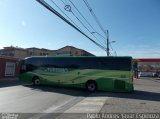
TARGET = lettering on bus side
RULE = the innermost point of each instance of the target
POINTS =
(57, 70)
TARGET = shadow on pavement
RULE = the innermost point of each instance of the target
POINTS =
(61, 90)
(8, 83)
(137, 94)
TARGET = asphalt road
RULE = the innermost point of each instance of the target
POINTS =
(145, 98)
(42, 99)
(18, 98)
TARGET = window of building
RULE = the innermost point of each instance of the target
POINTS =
(10, 69)
(31, 53)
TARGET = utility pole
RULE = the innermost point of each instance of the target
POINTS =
(107, 36)
(107, 42)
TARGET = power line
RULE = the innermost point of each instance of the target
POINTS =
(47, 6)
(84, 18)
(94, 16)
(64, 13)
(69, 9)
(99, 24)
(111, 46)
(82, 15)
(63, 2)
(101, 27)
(115, 53)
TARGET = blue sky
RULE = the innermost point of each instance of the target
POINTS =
(133, 24)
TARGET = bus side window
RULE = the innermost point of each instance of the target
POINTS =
(106, 64)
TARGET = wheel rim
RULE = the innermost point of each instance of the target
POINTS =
(37, 82)
(91, 87)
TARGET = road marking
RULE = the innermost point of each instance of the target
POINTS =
(50, 110)
(91, 104)
(88, 105)
(53, 108)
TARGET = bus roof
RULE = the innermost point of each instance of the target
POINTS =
(68, 56)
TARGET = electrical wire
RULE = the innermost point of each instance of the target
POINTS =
(113, 49)
(85, 20)
(97, 21)
(94, 16)
(82, 15)
(111, 46)
(69, 9)
(63, 2)
(64, 13)
(47, 6)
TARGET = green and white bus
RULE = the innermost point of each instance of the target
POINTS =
(90, 72)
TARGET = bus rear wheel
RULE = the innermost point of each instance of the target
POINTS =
(36, 81)
(91, 86)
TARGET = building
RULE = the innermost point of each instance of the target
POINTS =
(73, 51)
(146, 66)
(8, 66)
(15, 52)
(9, 57)
(19, 53)
(38, 52)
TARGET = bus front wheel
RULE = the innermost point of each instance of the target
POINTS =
(36, 81)
(91, 86)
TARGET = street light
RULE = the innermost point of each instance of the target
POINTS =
(107, 40)
(98, 34)
(112, 48)
(112, 42)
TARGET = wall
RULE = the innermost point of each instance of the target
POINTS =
(3, 62)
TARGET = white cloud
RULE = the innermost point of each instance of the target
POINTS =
(1, 46)
(98, 53)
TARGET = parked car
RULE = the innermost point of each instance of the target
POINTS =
(147, 74)
(157, 74)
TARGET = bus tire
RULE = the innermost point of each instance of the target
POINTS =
(36, 81)
(91, 86)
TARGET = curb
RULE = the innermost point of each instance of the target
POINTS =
(6, 79)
